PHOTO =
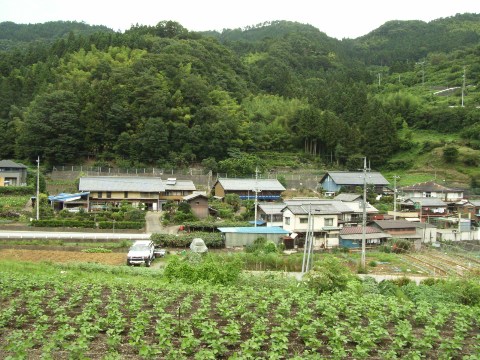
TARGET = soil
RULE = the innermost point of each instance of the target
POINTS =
(62, 256)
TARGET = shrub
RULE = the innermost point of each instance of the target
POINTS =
(401, 246)
(329, 275)
(214, 270)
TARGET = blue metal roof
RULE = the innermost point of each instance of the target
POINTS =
(254, 230)
(65, 197)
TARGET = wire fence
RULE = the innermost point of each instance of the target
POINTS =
(201, 177)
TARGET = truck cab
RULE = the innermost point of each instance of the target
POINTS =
(141, 252)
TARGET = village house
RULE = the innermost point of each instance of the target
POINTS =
(198, 203)
(471, 209)
(12, 173)
(349, 181)
(426, 208)
(264, 189)
(400, 229)
(271, 213)
(430, 189)
(176, 190)
(352, 236)
(321, 220)
(112, 191)
(68, 201)
(150, 192)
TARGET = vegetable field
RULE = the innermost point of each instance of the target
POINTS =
(56, 312)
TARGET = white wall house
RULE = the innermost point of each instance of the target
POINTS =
(430, 189)
(322, 219)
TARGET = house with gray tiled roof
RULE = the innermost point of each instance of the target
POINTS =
(430, 189)
(266, 189)
(12, 173)
(352, 236)
(113, 190)
(350, 181)
(425, 207)
(319, 219)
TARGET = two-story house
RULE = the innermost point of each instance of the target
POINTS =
(319, 220)
(176, 190)
(426, 208)
(112, 190)
(12, 173)
(430, 189)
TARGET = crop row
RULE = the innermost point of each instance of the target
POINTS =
(41, 316)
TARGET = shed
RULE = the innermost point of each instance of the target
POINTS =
(242, 236)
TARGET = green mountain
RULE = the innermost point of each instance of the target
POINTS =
(165, 96)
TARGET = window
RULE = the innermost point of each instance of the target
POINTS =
(303, 220)
(287, 221)
(329, 222)
(100, 194)
(109, 194)
(428, 194)
(125, 194)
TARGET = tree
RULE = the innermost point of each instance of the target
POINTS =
(52, 129)
(450, 154)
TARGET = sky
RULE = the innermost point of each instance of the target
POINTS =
(337, 18)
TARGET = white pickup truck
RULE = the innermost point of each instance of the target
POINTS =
(141, 252)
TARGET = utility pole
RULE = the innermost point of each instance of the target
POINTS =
(395, 177)
(463, 85)
(364, 218)
(38, 188)
(256, 190)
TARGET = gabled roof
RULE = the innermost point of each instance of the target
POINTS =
(272, 208)
(394, 224)
(356, 233)
(194, 196)
(355, 178)
(250, 184)
(359, 230)
(431, 201)
(179, 185)
(11, 164)
(348, 197)
(428, 186)
(474, 202)
(118, 183)
(324, 209)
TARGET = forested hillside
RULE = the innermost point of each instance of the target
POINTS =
(165, 96)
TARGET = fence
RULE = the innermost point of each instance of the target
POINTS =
(202, 178)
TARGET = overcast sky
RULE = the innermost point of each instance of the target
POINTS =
(336, 18)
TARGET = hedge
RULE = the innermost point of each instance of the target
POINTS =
(212, 226)
(121, 224)
(17, 190)
(212, 240)
(63, 223)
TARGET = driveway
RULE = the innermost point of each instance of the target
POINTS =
(154, 225)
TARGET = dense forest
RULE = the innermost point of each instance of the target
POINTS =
(165, 96)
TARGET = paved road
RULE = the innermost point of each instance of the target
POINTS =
(152, 222)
